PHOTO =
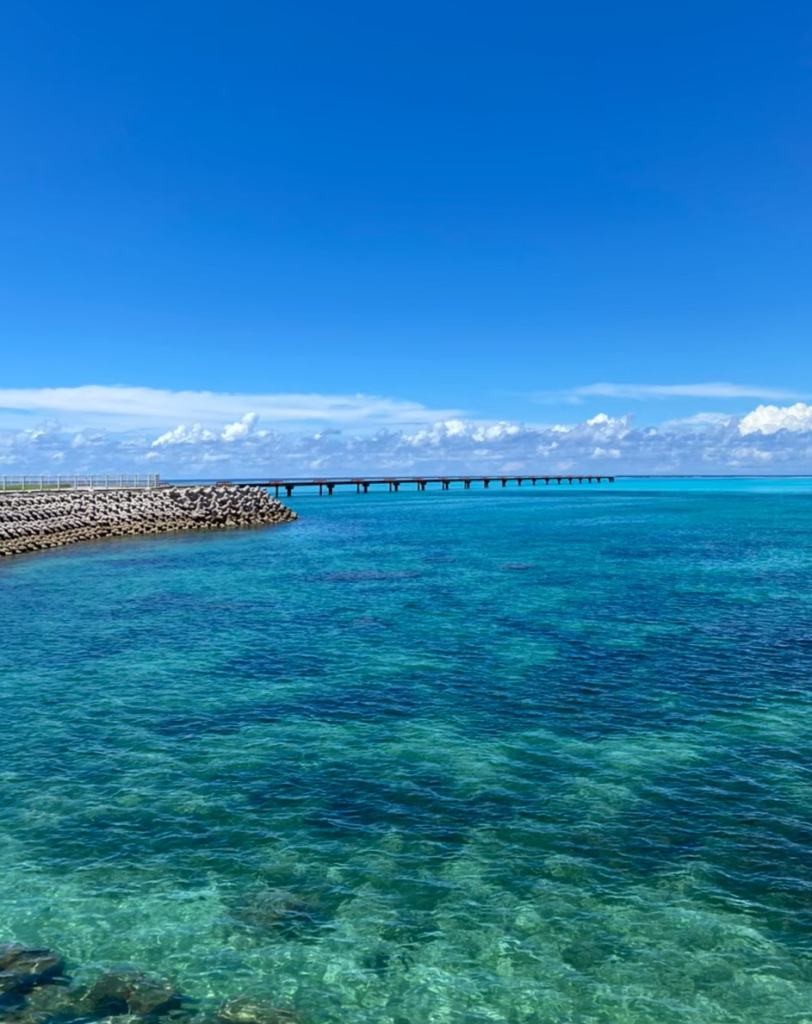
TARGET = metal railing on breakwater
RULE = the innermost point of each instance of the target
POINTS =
(75, 482)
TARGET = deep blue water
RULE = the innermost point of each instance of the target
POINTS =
(518, 756)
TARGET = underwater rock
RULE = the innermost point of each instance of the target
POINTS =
(153, 998)
(51, 999)
(23, 968)
(44, 1004)
(9, 982)
(273, 908)
(129, 992)
(587, 956)
(247, 1011)
(12, 1009)
(122, 1018)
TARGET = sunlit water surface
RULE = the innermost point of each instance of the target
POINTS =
(508, 756)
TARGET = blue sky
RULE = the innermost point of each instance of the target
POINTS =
(364, 217)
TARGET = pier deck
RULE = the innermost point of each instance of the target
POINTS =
(393, 484)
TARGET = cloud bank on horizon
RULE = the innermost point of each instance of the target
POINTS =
(208, 434)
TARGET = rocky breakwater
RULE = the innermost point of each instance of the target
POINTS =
(34, 520)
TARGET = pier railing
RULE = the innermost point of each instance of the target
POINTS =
(72, 481)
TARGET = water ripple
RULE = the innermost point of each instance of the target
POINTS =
(498, 758)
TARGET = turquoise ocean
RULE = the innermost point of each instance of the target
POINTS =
(525, 755)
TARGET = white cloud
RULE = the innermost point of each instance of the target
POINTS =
(242, 428)
(130, 408)
(640, 392)
(701, 419)
(749, 455)
(439, 433)
(377, 436)
(243, 447)
(195, 435)
(769, 419)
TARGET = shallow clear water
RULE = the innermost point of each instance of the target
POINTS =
(521, 756)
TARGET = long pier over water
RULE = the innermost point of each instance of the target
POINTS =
(393, 484)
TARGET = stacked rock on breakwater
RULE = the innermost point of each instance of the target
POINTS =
(34, 520)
